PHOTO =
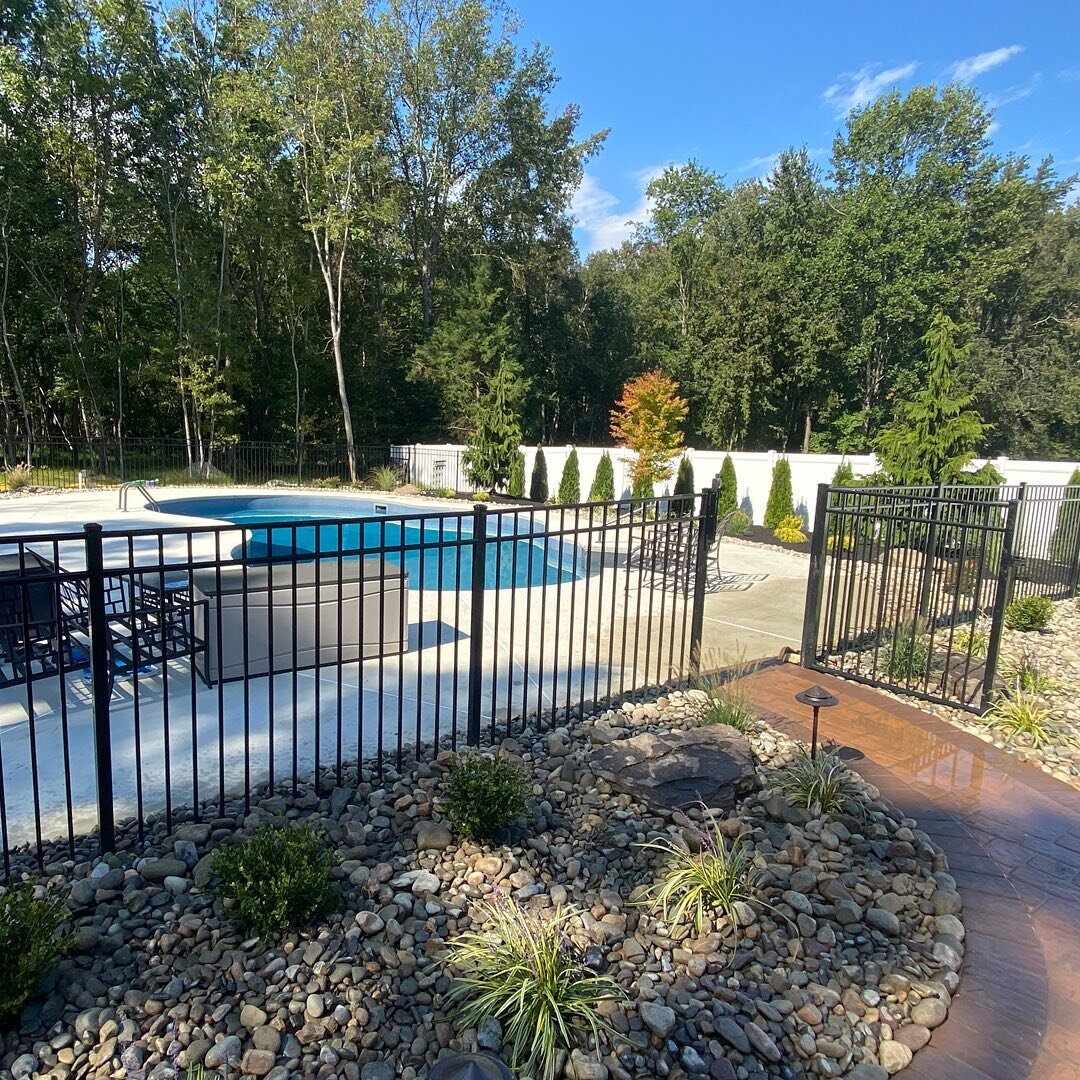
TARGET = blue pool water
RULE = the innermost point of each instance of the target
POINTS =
(436, 549)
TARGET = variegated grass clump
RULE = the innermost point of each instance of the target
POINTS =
(1022, 715)
(820, 784)
(712, 881)
(527, 972)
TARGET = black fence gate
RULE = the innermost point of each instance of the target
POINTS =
(908, 585)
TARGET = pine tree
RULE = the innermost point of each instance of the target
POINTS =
(844, 477)
(603, 485)
(570, 483)
(781, 503)
(729, 488)
(493, 442)
(935, 434)
(515, 486)
(684, 485)
(538, 485)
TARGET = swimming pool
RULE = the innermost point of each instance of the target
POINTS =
(435, 548)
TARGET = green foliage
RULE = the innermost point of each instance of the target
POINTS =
(527, 972)
(821, 784)
(515, 485)
(1025, 671)
(729, 703)
(570, 482)
(385, 477)
(31, 944)
(844, 477)
(1021, 714)
(909, 656)
(538, 484)
(1066, 541)
(603, 485)
(277, 878)
(1028, 613)
(738, 523)
(711, 881)
(642, 488)
(484, 795)
(789, 530)
(18, 477)
(935, 433)
(492, 444)
(729, 487)
(971, 641)
(684, 485)
(781, 504)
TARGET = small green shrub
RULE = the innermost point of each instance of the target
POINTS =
(1025, 672)
(603, 485)
(729, 703)
(18, 477)
(515, 485)
(538, 484)
(838, 541)
(781, 504)
(326, 482)
(527, 972)
(789, 531)
(385, 477)
(710, 881)
(738, 523)
(484, 795)
(684, 486)
(1028, 613)
(1021, 714)
(1065, 542)
(278, 878)
(971, 641)
(909, 656)
(729, 487)
(570, 481)
(31, 945)
(844, 477)
(820, 784)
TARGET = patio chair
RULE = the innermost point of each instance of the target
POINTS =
(670, 546)
(30, 632)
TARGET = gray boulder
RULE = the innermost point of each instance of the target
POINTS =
(713, 765)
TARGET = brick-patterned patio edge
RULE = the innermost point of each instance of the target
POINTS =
(1012, 836)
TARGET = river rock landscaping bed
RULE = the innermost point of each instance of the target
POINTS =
(844, 969)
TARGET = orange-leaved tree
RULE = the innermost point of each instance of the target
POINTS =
(648, 420)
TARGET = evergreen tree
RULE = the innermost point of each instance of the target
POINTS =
(642, 487)
(729, 487)
(493, 442)
(935, 434)
(603, 485)
(570, 483)
(515, 486)
(844, 475)
(684, 485)
(781, 504)
(1066, 542)
(538, 485)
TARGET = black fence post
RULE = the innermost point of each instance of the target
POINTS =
(705, 530)
(1001, 600)
(101, 683)
(476, 630)
(815, 579)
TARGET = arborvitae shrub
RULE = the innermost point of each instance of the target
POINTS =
(844, 476)
(642, 488)
(729, 487)
(684, 485)
(538, 485)
(603, 485)
(570, 483)
(1066, 539)
(781, 504)
(515, 485)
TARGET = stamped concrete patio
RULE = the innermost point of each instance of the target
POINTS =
(1012, 835)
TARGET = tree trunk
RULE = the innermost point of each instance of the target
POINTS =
(808, 428)
(7, 345)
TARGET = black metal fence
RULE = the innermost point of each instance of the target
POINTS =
(161, 670)
(908, 586)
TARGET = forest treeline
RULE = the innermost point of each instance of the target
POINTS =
(351, 222)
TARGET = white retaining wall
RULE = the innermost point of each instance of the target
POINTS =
(753, 471)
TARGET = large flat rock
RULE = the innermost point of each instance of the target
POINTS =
(712, 765)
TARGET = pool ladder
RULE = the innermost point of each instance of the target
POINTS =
(136, 485)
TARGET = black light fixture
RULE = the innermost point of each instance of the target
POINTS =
(469, 1067)
(817, 697)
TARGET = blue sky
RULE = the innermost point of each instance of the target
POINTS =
(733, 84)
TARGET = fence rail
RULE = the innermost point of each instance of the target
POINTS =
(908, 586)
(192, 663)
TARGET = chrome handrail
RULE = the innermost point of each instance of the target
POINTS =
(136, 485)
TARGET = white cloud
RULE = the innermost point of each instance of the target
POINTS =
(972, 67)
(854, 89)
(596, 212)
(761, 166)
(1015, 93)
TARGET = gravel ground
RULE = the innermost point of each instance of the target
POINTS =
(846, 974)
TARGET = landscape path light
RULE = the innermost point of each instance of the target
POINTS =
(469, 1067)
(817, 697)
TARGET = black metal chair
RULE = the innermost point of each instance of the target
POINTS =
(31, 633)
